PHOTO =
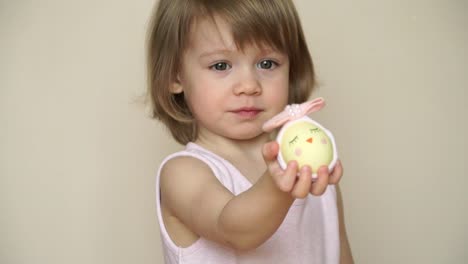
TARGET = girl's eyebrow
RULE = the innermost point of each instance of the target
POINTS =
(215, 52)
(267, 50)
(271, 52)
(227, 51)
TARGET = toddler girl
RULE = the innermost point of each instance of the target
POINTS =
(218, 69)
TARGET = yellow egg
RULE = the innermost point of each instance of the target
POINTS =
(308, 143)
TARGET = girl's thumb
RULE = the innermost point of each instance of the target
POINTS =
(270, 151)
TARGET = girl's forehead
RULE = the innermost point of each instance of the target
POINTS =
(215, 33)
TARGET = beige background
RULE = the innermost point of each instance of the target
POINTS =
(78, 155)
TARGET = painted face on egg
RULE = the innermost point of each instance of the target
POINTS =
(308, 144)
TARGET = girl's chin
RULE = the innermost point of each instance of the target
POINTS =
(249, 135)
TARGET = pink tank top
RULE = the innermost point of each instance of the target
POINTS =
(308, 234)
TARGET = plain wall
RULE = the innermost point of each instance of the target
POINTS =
(78, 152)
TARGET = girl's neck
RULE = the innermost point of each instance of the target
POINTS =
(232, 148)
(245, 155)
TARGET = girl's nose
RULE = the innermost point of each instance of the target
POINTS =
(248, 84)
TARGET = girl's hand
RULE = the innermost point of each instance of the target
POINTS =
(298, 184)
(287, 180)
(324, 178)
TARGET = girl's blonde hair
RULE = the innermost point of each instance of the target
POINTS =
(271, 22)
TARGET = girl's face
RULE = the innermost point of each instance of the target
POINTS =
(231, 92)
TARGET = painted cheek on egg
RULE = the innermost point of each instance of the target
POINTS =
(324, 141)
(298, 152)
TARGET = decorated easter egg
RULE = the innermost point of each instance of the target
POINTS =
(307, 142)
(303, 139)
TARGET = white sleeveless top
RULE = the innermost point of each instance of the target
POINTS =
(308, 234)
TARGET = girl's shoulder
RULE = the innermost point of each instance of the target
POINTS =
(192, 159)
(188, 171)
(182, 168)
(196, 163)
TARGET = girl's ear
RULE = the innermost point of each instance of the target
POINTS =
(176, 86)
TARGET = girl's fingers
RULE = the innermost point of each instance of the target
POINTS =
(336, 174)
(284, 179)
(321, 183)
(288, 178)
(270, 151)
(303, 184)
(288, 181)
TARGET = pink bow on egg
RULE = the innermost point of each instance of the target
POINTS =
(293, 112)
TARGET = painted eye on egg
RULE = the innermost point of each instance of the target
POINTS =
(294, 140)
(314, 130)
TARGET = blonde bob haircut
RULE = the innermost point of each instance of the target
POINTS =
(270, 22)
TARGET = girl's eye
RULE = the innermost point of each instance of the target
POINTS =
(267, 64)
(220, 66)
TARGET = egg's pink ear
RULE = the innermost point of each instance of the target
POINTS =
(276, 121)
(292, 112)
(312, 106)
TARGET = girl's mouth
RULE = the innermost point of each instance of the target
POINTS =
(247, 112)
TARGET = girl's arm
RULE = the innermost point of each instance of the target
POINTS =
(191, 193)
(346, 257)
